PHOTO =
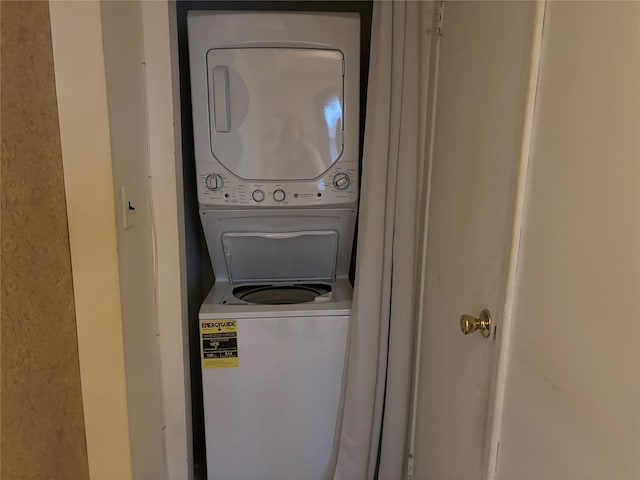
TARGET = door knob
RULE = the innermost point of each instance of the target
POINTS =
(469, 323)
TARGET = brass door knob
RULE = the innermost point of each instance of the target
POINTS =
(469, 323)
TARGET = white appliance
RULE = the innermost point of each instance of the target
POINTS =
(275, 106)
(275, 99)
(276, 415)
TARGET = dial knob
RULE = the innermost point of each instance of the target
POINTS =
(279, 195)
(258, 195)
(341, 181)
(214, 182)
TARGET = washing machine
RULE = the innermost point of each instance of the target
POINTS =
(273, 395)
(273, 335)
(275, 100)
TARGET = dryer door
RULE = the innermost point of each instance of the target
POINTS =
(276, 113)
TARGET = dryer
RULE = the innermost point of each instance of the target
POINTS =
(275, 99)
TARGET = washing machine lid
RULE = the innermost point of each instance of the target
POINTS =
(276, 113)
(283, 256)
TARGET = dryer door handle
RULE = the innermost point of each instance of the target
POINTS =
(220, 79)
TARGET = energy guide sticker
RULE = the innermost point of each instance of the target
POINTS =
(219, 339)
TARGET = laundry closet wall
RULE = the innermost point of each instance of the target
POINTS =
(114, 74)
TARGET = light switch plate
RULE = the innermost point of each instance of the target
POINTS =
(129, 206)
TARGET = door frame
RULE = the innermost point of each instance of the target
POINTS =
(501, 359)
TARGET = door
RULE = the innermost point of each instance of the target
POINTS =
(280, 105)
(485, 50)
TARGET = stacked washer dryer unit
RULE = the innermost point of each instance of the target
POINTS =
(275, 100)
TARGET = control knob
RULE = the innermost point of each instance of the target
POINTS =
(279, 195)
(341, 181)
(214, 182)
(258, 195)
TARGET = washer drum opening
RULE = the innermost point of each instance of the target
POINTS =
(282, 294)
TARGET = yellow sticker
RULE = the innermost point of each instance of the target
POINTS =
(219, 342)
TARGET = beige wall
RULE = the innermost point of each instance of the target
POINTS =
(42, 415)
(572, 404)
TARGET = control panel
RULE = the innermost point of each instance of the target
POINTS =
(217, 187)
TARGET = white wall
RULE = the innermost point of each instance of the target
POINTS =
(160, 46)
(123, 44)
(572, 404)
(116, 103)
(86, 155)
